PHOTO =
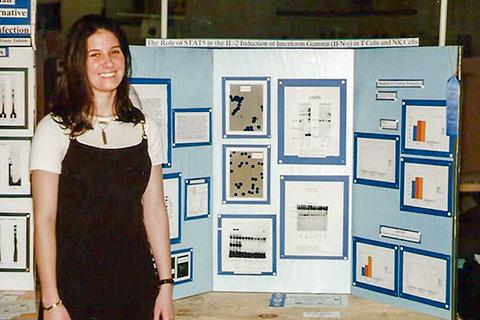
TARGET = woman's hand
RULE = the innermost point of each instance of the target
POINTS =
(58, 313)
(164, 303)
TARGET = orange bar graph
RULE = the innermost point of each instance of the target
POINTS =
(421, 127)
(418, 188)
(369, 270)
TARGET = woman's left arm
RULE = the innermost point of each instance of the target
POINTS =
(155, 218)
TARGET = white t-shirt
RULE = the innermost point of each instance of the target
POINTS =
(50, 142)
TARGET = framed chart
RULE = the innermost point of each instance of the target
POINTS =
(14, 171)
(154, 98)
(246, 174)
(314, 217)
(246, 107)
(375, 266)
(426, 186)
(425, 277)
(172, 194)
(247, 244)
(312, 121)
(375, 159)
(424, 128)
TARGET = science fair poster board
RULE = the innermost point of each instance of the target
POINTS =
(413, 74)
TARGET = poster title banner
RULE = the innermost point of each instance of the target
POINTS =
(283, 44)
(16, 21)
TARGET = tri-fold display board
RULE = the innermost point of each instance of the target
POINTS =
(308, 170)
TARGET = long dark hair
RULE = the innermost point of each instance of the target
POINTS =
(72, 104)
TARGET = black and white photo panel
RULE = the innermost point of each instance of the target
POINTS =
(14, 242)
(14, 98)
(182, 265)
(314, 217)
(246, 245)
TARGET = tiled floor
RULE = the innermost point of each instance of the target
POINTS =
(242, 306)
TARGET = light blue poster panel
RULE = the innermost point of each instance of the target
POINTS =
(190, 72)
(383, 79)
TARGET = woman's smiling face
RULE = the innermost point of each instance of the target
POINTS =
(105, 62)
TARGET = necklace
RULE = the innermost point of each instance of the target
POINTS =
(103, 124)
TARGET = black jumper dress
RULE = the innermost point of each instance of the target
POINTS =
(104, 264)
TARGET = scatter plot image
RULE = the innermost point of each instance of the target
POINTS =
(246, 107)
(246, 170)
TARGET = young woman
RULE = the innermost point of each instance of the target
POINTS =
(98, 190)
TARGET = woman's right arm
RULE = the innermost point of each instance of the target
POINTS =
(45, 194)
